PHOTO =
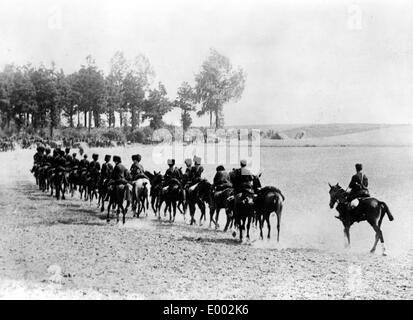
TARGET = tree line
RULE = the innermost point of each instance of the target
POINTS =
(38, 97)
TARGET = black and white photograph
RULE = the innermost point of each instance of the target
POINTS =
(220, 150)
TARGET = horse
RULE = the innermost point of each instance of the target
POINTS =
(244, 207)
(141, 191)
(117, 195)
(199, 195)
(156, 181)
(59, 182)
(221, 200)
(171, 195)
(269, 199)
(369, 209)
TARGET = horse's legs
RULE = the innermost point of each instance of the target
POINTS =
(267, 219)
(248, 227)
(217, 210)
(109, 206)
(118, 212)
(346, 237)
(261, 222)
(201, 206)
(379, 235)
(174, 210)
(123, 213)
(211, 216)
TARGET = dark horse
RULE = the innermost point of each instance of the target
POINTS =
(221, 200)
(199, 195)
(171, 195)
(269, 199)
(244, 206)
(368, 209)
(117, 195)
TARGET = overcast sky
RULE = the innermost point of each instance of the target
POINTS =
(306, 61)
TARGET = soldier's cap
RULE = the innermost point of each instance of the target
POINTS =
(107, 157)
(67, 150)
(74, 155)
(171, 162)
(85, 156)
(197, 160)
(134, 157)
(220, 168)
(48, 150)
(188, 162)
(243, 163)
(117, 159)
(359, 166)
(95, 156)
(138, 157)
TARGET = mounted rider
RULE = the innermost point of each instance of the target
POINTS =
(171, 173)
(358, 185)
(120, 176)
(185, 177)
(222, 179)
(37, 158)
(94, 167)
(75, 162)
(243, 180)
(195, 174)
(106, 170)
(84, 163)
(136, 170)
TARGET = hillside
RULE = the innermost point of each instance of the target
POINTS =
(348, 135)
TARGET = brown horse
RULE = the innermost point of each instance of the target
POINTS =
(269, 199)
(117, 195)
(368, 209)
(221, 200)
(199, 195)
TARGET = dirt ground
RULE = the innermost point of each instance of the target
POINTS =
(65, 249)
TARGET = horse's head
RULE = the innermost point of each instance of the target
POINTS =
(337, 193)
(157, 179)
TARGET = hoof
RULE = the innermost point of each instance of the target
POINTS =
(234, 234)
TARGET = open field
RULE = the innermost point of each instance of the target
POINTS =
(148, 259)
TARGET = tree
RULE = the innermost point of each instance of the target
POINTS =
(66, 97)
(216, 84)
(118, 70)
(136, 84)
(90, 85)
(185, 101)
(6, 88)
(156, 106)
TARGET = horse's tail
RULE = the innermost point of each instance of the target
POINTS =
(386, 210)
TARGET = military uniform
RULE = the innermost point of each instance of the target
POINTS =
(120, 174)
(106, 170)
(358, 185)
(222, 180)
(243, 180)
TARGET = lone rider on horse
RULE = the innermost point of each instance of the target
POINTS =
(358, 186)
